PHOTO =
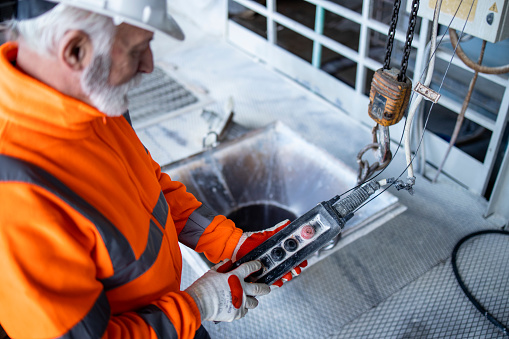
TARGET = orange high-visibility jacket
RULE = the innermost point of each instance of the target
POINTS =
(89, 226)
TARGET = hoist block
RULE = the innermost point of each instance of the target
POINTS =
(388, 97)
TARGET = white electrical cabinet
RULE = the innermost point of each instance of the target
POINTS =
(485, 19)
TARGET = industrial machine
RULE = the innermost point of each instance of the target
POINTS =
(304, 236)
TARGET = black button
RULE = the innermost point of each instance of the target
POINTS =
(278, 253)
(291, 245)
(266, 262)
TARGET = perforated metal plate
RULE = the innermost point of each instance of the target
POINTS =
(434, 306)
(157, 97)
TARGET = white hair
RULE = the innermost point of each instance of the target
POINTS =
(109, 99)
(43, 33)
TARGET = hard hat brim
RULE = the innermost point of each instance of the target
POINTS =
(167, 26)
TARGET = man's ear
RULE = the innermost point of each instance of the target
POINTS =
(75, 50)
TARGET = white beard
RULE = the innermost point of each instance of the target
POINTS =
(111, 100)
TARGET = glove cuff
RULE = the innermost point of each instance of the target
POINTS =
(194, 292)
(193, 305)
(243, 238)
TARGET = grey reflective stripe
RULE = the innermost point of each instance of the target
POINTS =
(140, 266)
(127, 116)
(95, 322)
(160, 211)
(156, 318)
(125, 266)
(196, 225)
(119, 249)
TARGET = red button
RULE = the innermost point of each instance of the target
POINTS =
(307, 232)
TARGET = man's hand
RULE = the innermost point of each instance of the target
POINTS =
(226, 296)
(250, 240)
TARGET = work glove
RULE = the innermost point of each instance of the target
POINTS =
(226, 296)
(250, 240)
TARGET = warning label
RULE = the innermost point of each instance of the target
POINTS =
(494, 8)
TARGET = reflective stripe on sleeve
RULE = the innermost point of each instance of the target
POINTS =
(160, 211)
(196, 225)
(156, 318)
(94, 324)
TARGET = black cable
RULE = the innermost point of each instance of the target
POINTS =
(468, 294)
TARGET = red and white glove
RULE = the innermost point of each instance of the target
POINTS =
(226, 296)
(250, 240)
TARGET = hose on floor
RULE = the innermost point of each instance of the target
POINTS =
(468, 294)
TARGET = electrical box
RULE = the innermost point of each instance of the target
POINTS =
(485, 19)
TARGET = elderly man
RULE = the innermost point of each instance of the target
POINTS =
(89, 226)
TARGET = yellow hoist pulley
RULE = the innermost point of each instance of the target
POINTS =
(388, 98)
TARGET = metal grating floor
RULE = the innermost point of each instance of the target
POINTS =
(157, 97)
(434, 306)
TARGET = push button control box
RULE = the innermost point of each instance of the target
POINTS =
(304, 236)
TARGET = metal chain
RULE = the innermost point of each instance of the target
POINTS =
(409, 37)
(391, 34)
(366, 170)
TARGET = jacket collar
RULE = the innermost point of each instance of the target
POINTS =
(35, 105)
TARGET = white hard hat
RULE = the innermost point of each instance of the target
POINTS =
(147, 14)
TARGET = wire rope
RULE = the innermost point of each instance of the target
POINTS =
(427, 117)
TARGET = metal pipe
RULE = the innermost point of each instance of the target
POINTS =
(317, 47)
